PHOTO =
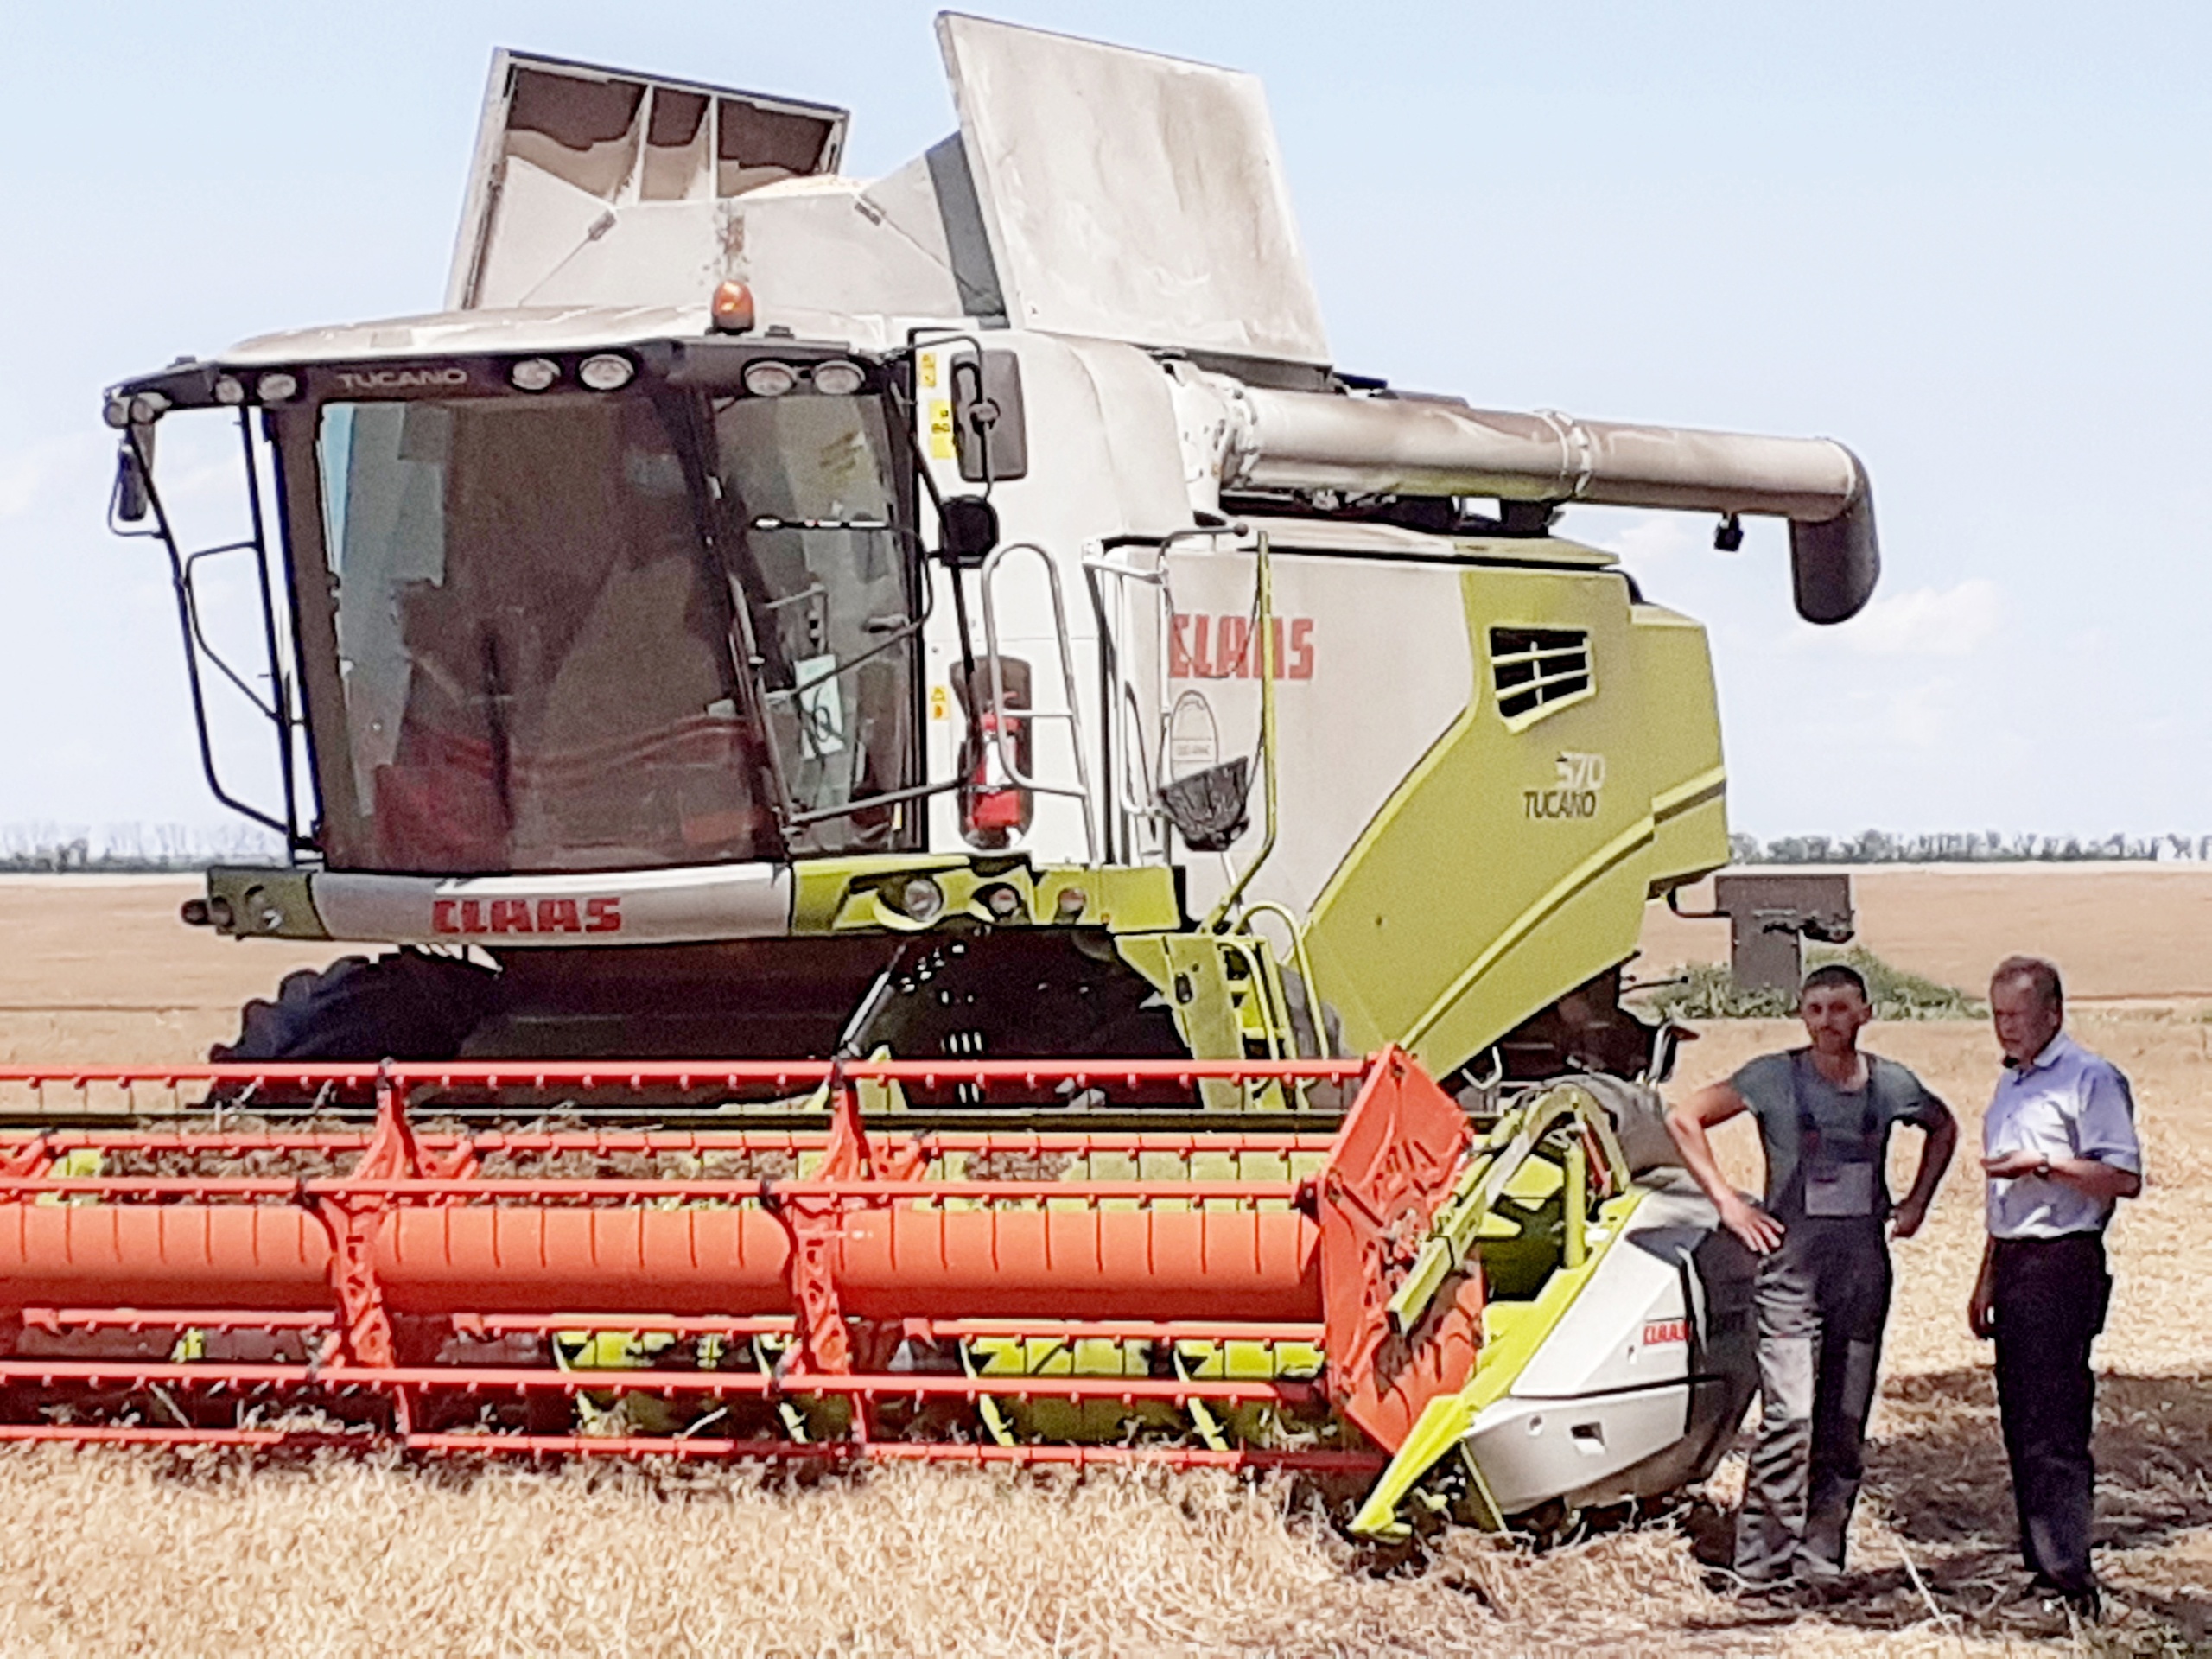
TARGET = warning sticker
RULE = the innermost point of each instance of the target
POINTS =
(937, 407)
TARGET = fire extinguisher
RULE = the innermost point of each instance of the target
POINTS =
(993, 808)
(994, 802)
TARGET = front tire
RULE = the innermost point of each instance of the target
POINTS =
(407, 1006)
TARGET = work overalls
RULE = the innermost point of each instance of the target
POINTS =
(1823, 1298)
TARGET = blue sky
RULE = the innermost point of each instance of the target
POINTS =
(1974, 241)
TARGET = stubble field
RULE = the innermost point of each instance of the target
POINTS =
(105, 1553)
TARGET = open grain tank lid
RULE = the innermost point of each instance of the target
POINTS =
(1128, 196)
(566, 152)
(1091, 190)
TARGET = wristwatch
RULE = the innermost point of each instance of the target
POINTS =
(2043, 1167)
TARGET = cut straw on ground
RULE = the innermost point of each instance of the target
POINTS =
(104, 1552)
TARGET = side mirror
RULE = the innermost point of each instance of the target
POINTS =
(990, 432)
(967, 528)
(133, 497)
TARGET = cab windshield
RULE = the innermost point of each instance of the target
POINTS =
(589, 631)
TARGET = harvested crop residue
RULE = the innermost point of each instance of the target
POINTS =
(106, 1551)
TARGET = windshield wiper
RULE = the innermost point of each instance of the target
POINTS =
(737, 586)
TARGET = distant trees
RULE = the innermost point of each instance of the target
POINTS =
(123, 848)
(1988, 846)
(119, 848)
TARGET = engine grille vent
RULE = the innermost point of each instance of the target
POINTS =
(1533, 668)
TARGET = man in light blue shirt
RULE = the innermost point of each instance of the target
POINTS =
(2060, 1150)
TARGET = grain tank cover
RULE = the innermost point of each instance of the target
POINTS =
(597, 181)
(1131, 197)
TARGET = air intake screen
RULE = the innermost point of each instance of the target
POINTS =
(1532, 667)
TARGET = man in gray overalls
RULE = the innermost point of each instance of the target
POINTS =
(1824, 1113)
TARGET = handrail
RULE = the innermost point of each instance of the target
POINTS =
(188, 622)
(1264, 627)
(1298, 953)
(1002, 738)
(1126, 707)
(1110, 676)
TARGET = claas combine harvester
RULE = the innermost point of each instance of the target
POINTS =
(981, 856)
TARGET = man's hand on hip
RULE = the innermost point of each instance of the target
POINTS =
(1760, 1232)
(1905, 1220)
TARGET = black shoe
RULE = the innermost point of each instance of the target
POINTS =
(1826, 1580)
(1784, 1595)
(2082, 1606)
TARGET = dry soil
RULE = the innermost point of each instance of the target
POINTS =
(108, 1553)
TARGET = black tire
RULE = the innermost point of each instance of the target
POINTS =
(404, 1007)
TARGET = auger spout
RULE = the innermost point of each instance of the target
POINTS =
(1425, 446)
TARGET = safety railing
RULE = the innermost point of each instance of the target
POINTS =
(1003, 737)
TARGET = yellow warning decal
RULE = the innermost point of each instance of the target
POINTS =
(937, 407)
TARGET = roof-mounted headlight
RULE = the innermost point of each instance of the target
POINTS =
(769, 379)
(606, 372)
(838, 377)
(277, 388)
(534, 373)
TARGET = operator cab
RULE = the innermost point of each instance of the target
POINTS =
(570, 598)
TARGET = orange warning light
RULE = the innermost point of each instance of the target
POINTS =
(732, 309)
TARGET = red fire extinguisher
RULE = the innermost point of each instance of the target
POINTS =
(995, 803)
(993, 808)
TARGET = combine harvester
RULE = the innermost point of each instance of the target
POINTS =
(907, 734)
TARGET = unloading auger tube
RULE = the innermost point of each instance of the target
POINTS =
(1347, 1304)
(1428, 447)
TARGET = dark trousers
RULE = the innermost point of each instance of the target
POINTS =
(1822, 1299)
(2050, 1299)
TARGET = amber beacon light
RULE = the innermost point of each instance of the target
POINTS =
(731, 309)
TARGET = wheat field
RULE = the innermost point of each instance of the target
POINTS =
(107, 1553)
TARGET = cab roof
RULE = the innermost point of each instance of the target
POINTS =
(459, 333)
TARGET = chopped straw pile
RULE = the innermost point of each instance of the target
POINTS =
(104, 1552)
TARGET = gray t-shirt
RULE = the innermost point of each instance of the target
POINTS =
(1806, 1122)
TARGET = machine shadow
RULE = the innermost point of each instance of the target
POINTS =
(1939, 1467)
(1937, 1471)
